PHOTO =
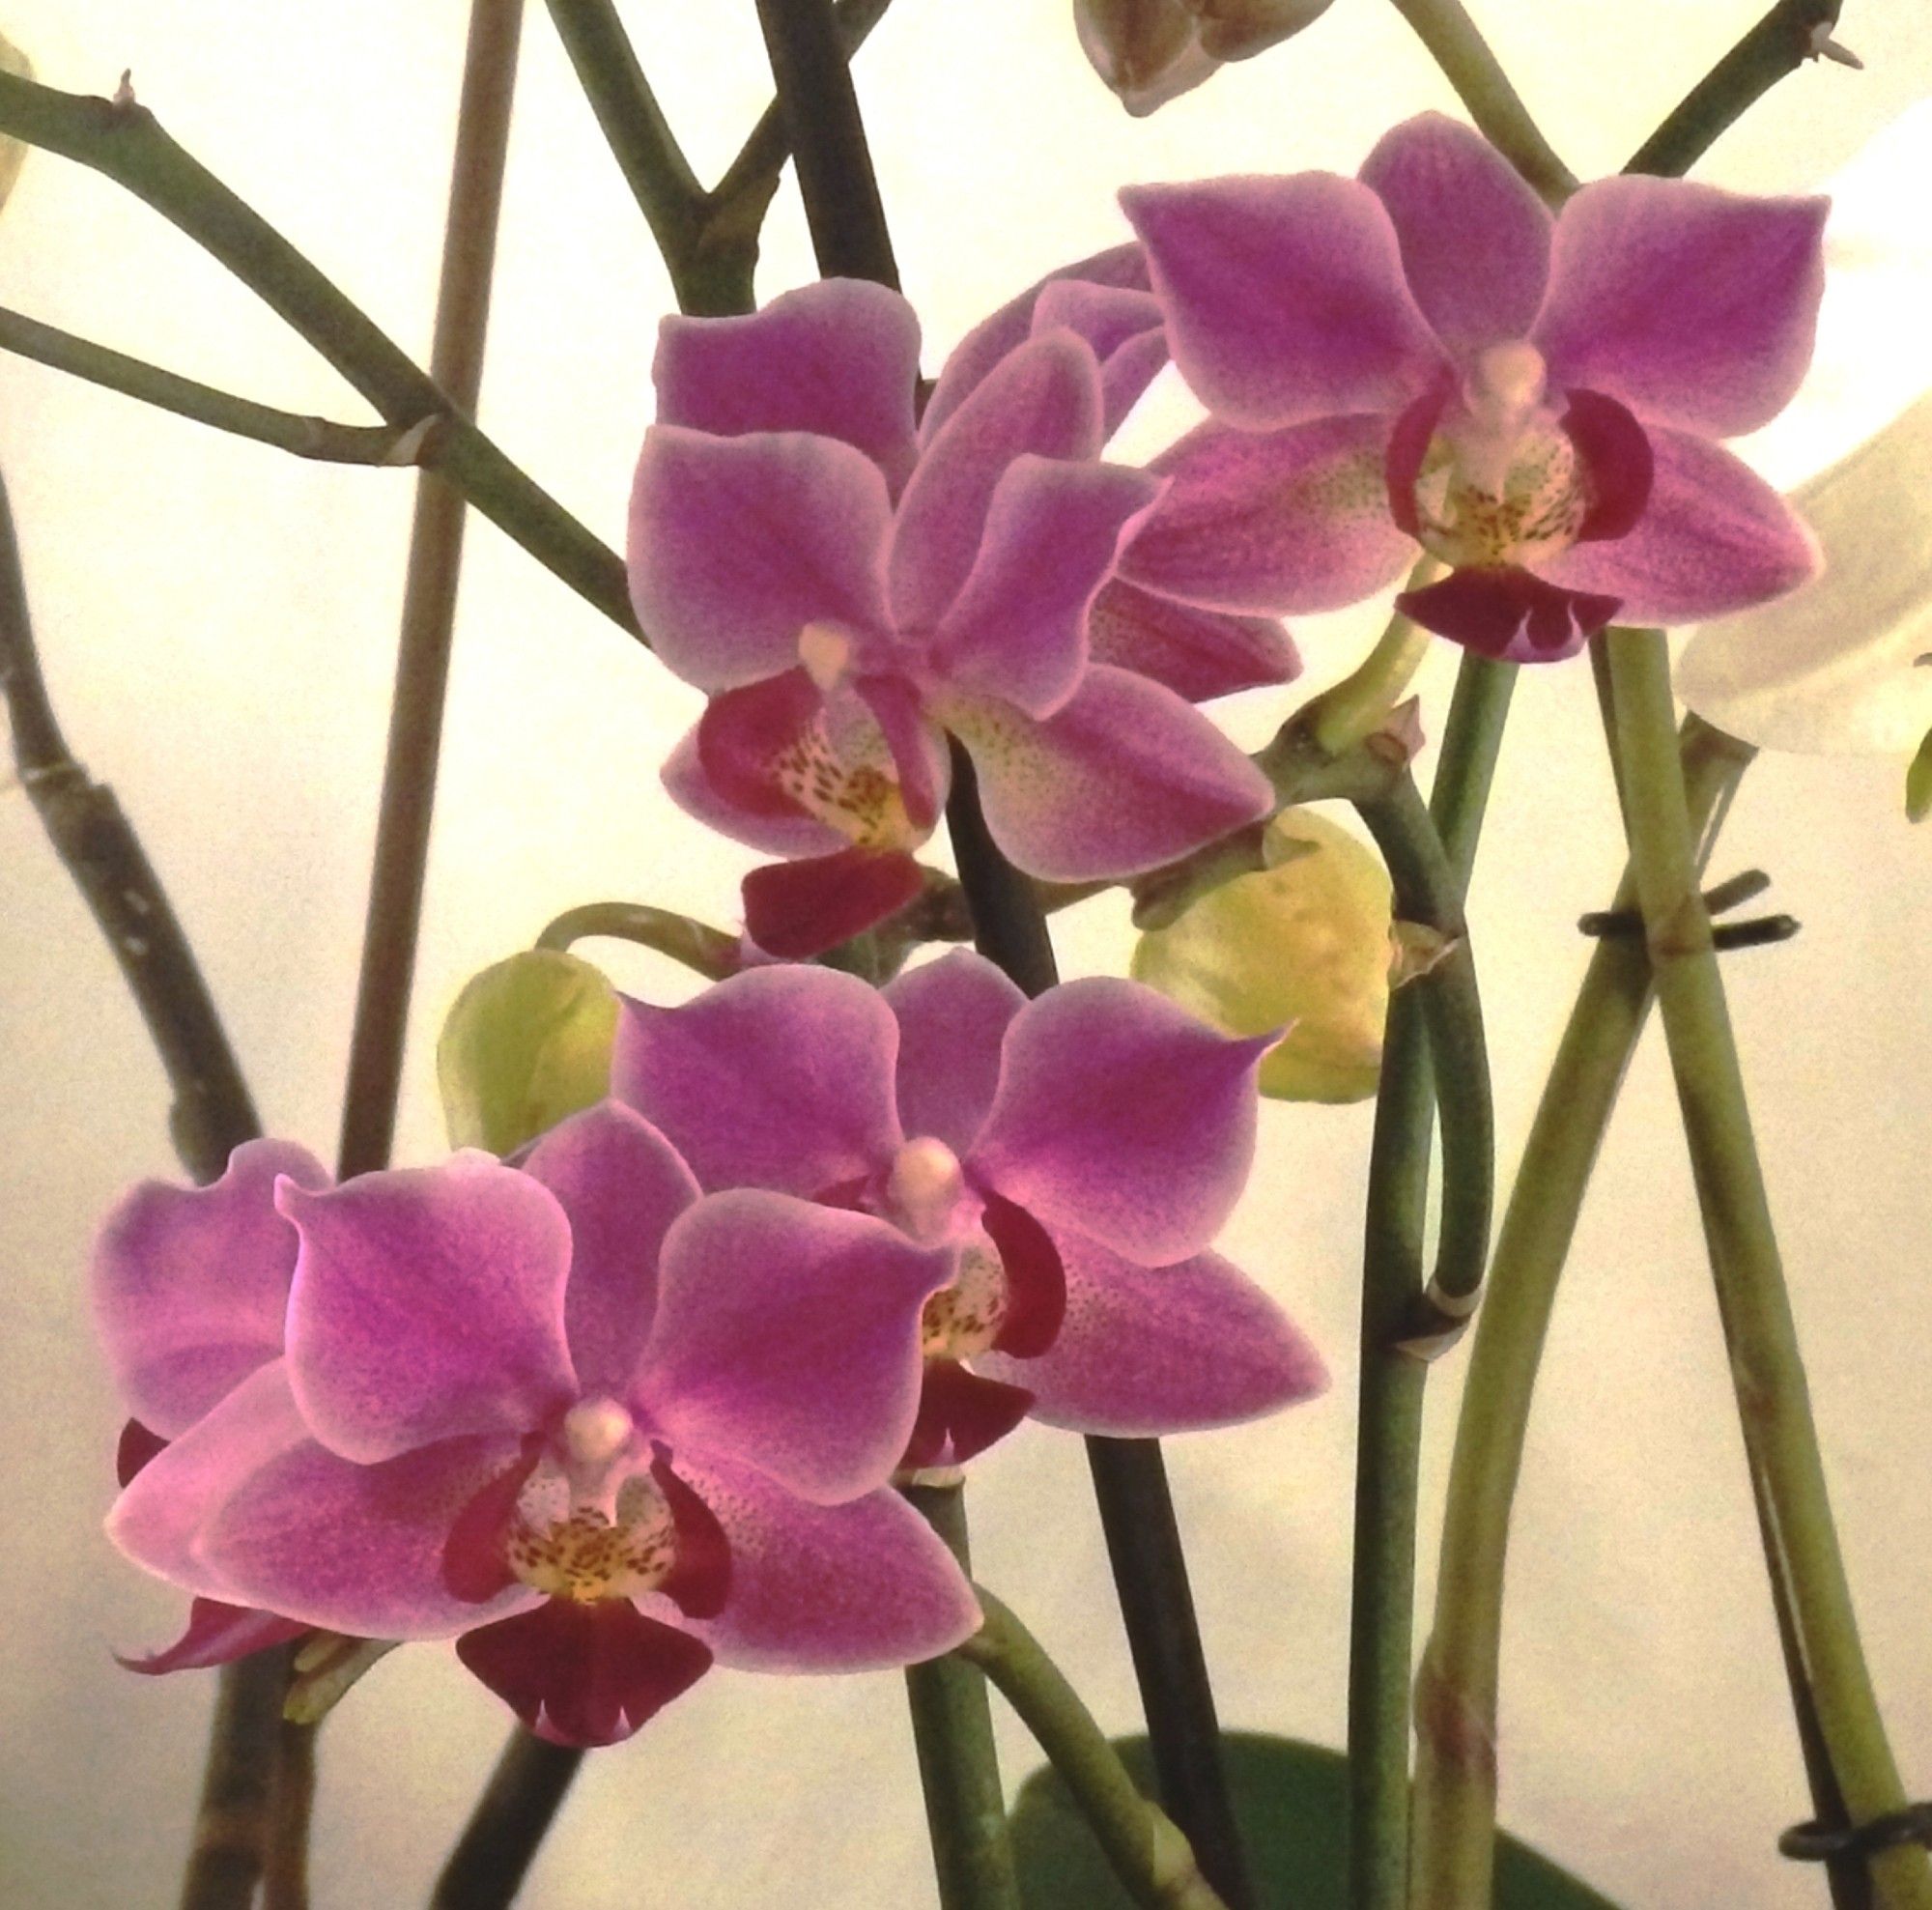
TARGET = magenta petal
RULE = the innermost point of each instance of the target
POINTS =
(137, 1445)
(1694, 305)
(918, 749)
(1126, 330)
(190, 1284)
(798, 910)
(1510, 614)
(1475, 240)
(781, 1077)
(1035, 1280)
(1285, 298)
(838, 359)
(1615, 449)
(1198, 654)
(1018, 628)
(475, 1552)
(787, 1336)
(217, 1633)
(1152, 1350)
(1715, 538)
(782, 832)
(700, 1577)
(1121, 1116)
(1043, 399)
(584, 1675)
(960, 1415)
(621, 1184)
(953, 1015)
(737, 543)
(428, 1302)
(744, 734)
(1277, 521)
(1125, 778)
(851, 1587)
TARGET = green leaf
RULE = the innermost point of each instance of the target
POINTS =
(1292, 1801)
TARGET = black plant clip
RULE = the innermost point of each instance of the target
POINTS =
(1726, 895)
(1813, 1842)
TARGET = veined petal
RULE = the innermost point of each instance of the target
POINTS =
(1125, 778)
(215, 1634)
(1507, 614)
(788, 832)
(798, 910)
(1695, 306)
(736, 544)
(190, 1284)
(1475, 240)
(1125, 328)
(838, 359)
(781, 1077)
(428, 1302)
(1273, 522)
(1018, 628)
(850, 1587)
(953, 1015)
(787, 1337)
(1198, 654)
(1145, 1351)
(1285, 298)
(1123, 1117)
(1715, 538)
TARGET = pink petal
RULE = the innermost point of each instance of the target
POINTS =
(215, 1634)
(1018, 628)
(916, 747)
(1715, 538)
(786, 832)
(1616, 454)
(1035, 1280)
(1277, 521)
(428, 1302)
(475, 1562)
(190, 1284)
(1126, 330)
(851, 1587)
(1121, 1115)
(737, 543)
(1508, 614)
(1475, 240)
(1694, 305)
(953, 1015)
(1044, 399)
(787, 1336)
(798, 910)
(1125, 778)
(838, 359)
(960, 1415)
(621, 1184)
(781, 1077)
(1147, 1351)
(701, 1576)
(584, 1675)
(1285, 298)
(746, 733)
(1198, 654)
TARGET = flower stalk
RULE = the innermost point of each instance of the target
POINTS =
(508, 1825)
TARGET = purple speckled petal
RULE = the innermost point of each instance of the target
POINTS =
(1198, 654)
(1715, 538)
(736, 544)
(781, 1077)
(1285, 298)
(953, 1015)
(1043, 399)
(1126, 330)
(849, 1588)
(428, 1302)
(1123, 1117)
(621, 1184)
(1272, 522)
(788, 833)
(1695, 306)
(190, 1284)
(798, 910)
(1508, 614)
(1475, 240)
(1018, 628)
(1125, 778)
(215, 1634)
(838, 359)
(1145, 1351)
(787, 1337)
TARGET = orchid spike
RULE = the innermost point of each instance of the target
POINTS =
(1422, 355)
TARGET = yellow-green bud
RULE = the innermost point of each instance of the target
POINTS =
(527, 1043)
(1304, 941)
(1918, 783)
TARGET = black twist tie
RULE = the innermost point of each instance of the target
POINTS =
(1813, 1842)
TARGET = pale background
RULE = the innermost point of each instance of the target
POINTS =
(218, 625)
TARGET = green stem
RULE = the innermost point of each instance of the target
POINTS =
(1358, 705)
(708, 951)
(1148, 1853)
(1767, 1367)
(507, 1828)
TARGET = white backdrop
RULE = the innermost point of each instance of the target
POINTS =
(218, 628)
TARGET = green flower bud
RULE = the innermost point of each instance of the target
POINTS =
(1306, 941)
(527, 1043)
(1918, 783)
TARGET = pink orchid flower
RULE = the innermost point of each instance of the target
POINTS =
(595, 1428)
(851, 589)
(1073, 1156)
(1423, 357)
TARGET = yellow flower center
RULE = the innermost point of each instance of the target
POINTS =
(965, 1317)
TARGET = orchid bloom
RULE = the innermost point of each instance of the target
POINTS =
(1151, 51)
(595, 1428)
(1073, 1155)
(850, 590)
(1422, 356)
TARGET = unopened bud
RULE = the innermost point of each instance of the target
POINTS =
(1151, 51)
(1918, 783)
